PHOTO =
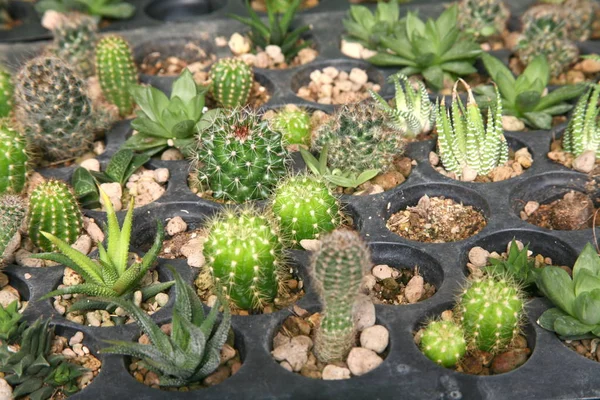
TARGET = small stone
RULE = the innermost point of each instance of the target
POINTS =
(239, 44)
(218, 376)
(468, 174)
(360, 361)
(176, 225)
(7, 295)
(171, 155)
(363, 311)
(137, 298)
(351, 49)
(415, 289)
(501, 173)
(162, 299)
(212, 300)
(83, 244)
(93, 230)
(585, 162)
(307, 55)
(478, 256)
(227, 353)
(161, 175)
(332, 72)
(196, 259)
(375, 338)
(382, 272)
(91, 164)
(590, 66)
(358, 76)
(508, 361)
(510, 123)
(273, 51)
(295, 352)
(22, 258)
(114, 192)
(69, 353)
(310, 244)
(531, 207)
(71, 278)
(297, 326)
(99, 147)
(286, 365)
(93, 318)
(368, 283)
(333, 372)
(523, 157)
(151, 378)
(389, 180)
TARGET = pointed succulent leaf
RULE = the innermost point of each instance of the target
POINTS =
(556, 284)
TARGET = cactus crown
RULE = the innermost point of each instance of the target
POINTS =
(74, 39)
(413, 112)
(463, 138)
(293, 124)
(13, 159)
(483, 18)
(231, 80)
(6, 93)
(444, 342)
(583, 133)
(238, 156)
(337, 269)
(13, 211)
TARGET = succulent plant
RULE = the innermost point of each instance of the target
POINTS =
(517, 266)
(524, 97)
(74, 38)
(244, 255)
(111, 275)
(53, 109)
(444, 342)
(483, 18)
(305, 208)
(278, 31)
(11, 325)
(575, 16)
(576, 314)
(491, 311)
(231, 81)
(53, 209)
(191, 352)
(337, 269)
(464, 141)
(113, 9)
(583, 133)
(433, 49)
(117, 72)
(413, 113)
(32, 370)
(367, 28)
(13, 211)
(239, 157)
(13, 159)
(163, 122)
(293, 124)
(6, 93)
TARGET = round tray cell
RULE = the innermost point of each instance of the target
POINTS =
(182, 10)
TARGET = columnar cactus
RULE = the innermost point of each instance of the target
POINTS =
(444, 342)
(6, 93)
(583, 133)
(491, 312)
(13, 211)
(305, 208)
(293, 124)
(13, 159)
(231, 81)
(116, 72)
(239, 157)
(53, 109)
(337, 270)
(74, 41)
(53, 209)
(244, 255)
(483, 18)
(359, 137)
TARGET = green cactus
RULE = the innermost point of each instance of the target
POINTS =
(574, 16)
(116, 71)
(53, 108)
(74, 41)
(359, 137)
(583, 133)
(444, 342)
(13, 211)
(11, 325)
(244, 255)
(293, 124)
(305, 208)
(337, 269)
(13, 159)
(231, 80)
(6, 93)
(482, 18)
(239, 157)
(491, 311)
(464, 141)
(53, 209)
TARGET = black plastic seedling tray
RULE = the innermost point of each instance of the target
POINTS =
(552, 372)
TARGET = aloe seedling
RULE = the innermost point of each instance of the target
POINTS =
(583, 133)
(517, 265)
(113, 9)
(11, 325)
(367, 28)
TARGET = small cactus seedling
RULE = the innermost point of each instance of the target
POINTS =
(13, 211)
(244, 255)
(116, 71)
(13, 159)
(305, 208)
(293, 124)
(6, 93)
(231, 81)
(74, 41)
(491, 313)
(582, 133)
(53, 209)
(483, 18)
(444, 342)
(337, 270)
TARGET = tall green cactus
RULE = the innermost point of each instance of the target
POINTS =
(244, 255)
(53, 109)
(6, 93)
(13, 211)
(583, 133)
(337, 270)
(116, 72)
(53, 209)
(13, 159)
(74, 41)
(231, 81)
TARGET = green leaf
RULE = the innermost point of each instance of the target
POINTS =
(460, 68)
(547, 319)
(183, 129)
(447, 20)
(390, 60)
(120, 11)
(311, 161)
(184, 87)
(151, 100)
(118, 165)
(588, 259)
(434, 76)
(585, 281)
(146, 126)
(559, 95)
(366, 176)
(538, 120)
(85, 188)
(557, 285)
(527, 101)
(587, 307)
(568, 326)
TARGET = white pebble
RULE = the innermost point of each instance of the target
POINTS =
(375, 338)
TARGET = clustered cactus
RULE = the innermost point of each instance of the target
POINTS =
(582, 133)
(74, 39)
(483, 18)
(444, 342)
(337, 270)
(575, 17)
(293, 124)
(116, 71)
(231, 81)
(13, 211)
(6, 93)
(13, 159)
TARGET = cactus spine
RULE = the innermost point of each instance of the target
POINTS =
(13, 211)
(444, 342)
(6, 93)
(244, 254)
(53, 108)
(337, 270)
(293, 124)
(53, 209)
(483, 18)
(74, 40)
(582, 133)
(231, 81)
(13, 159)
(116, 72)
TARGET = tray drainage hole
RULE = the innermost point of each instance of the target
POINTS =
(182, 10)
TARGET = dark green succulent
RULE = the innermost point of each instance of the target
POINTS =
(11, 325)
(367, 28)
(518, 265)
(114, 9)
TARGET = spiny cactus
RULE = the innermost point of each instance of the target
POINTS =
(13, 159)
(231, 81)
(6, 93)
(244, 255)
(74, 41)
(464, 141)
(583, 133)
(483, 18)
(13, 211)
(444, 342)
(491, 312)
(359, 137)
(293, 124)
(53, 209)
(53, 109)
(337, 270)
(413, 112)
(574, 16)
(305, 208)
(116, 71)
(238, 156)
